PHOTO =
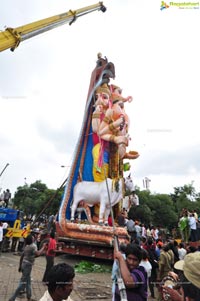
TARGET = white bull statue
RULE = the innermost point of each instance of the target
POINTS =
(130, 200)
(99, 192)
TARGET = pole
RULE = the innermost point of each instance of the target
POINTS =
(4, 169)
(120, 281)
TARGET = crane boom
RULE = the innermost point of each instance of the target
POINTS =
(11, 37)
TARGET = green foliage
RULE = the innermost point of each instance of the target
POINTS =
(33, 199)
(141, 213)
(89, 267)
(163, 209)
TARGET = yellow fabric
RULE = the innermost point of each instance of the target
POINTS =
(98, 175)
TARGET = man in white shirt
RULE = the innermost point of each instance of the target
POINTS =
(193, 227)
(5, 225)
(181, 251)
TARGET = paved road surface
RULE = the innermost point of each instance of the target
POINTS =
(92, 286)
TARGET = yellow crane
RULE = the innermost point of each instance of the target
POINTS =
(11, 37)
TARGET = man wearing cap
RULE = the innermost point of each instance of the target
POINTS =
(189, 279)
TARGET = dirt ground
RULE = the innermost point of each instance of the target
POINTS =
(89, 286)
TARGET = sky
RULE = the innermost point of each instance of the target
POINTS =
(44, 85)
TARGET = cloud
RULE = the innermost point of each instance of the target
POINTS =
(178, 162)
(62, 139)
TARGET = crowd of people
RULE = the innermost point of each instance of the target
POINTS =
(58, 278)
(189, 224)
(145, 269)
(154, 266)
(162, 258)
(151, 267)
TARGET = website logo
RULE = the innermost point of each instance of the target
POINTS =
(163, 5)
(180, 5)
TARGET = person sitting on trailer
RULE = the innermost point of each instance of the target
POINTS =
(7, 196)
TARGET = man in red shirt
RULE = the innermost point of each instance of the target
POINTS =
(50, 254)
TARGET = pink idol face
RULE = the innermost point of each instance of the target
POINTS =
(102, 99)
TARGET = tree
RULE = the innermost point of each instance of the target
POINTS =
(185, 197)
(141, 213)
(162, 209)
(32, 199)
(165, 215)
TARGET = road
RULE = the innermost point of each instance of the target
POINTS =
(90, 286)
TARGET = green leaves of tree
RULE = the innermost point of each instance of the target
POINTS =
(32, 199)
(163, 209)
